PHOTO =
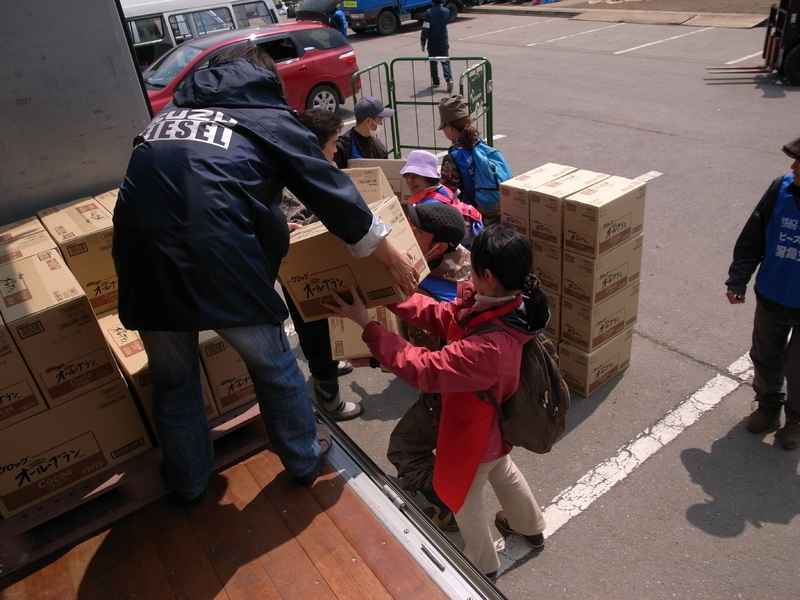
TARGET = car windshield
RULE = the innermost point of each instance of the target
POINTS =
(169, 66)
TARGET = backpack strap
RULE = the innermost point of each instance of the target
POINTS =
(486, 395)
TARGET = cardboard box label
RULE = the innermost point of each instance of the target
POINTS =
(585, 372)
(593, 280)
(17, 398)
(83, 371)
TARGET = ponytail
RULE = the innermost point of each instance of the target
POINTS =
(535, 302)
(468, 134)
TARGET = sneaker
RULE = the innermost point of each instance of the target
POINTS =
(761, 418)
(344, 368)
(491, 576)
(501, 522)
(436, 83)
(325, 442)
(449, 86)
(442, 517)
(329, 400)
(788, 436)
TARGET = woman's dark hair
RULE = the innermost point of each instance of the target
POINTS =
(249, 52)
(322, 123)
(467, 132)
(509, 257)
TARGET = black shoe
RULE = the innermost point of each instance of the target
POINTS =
(345, 368)
(325, 442)
(491, 576)
(186, 502)
(501, 522)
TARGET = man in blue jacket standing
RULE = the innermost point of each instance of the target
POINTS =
(198, 239)
(434, 35)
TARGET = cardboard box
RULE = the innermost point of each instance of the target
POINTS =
(83, 231)
(61, 447)
(371, 183)
(553, 327)
(108, 200)
(515, 195)
(547, 204)
(391, 169)
(131, 357)
(585, 372)
(19, 395)
(547, 267)
(24, 238)
(588, 327)
(227, 374)
(592, 280)
(346, 339)
(603, 216)
(54, 327)
(318, 262)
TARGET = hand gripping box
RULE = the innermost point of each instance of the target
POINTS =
(547, 266)
(391, 169)
(228, 378)
(54, 327)
(601, 217)
(585, 372)
(19, 395)
(61, 447)
(131, 357)
(346, 339)
(547, 205)
(587, 327)
(515, 208)
(23, 238)
(83, 231)
(318, 262)
(593, 280)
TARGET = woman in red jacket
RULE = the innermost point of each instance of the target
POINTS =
(470, 449)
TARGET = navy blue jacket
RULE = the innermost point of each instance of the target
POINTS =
(198, 229)
(434, 26)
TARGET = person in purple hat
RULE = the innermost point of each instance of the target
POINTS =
(362, 141)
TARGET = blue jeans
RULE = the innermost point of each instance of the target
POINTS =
(180, 416)
(435, 49)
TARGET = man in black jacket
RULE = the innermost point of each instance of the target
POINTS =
(434, 35)
(770, 241)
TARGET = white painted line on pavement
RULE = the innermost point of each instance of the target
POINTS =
(504, 30)
(648, 176)
(564, 37)
(576, 499)
(675, 37)
(748, 57)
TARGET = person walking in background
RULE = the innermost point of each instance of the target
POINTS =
(338, 20)
(198, 239)
(470, 449)
(434, 36)
(314, 336)
(770, 241)
(362, 140)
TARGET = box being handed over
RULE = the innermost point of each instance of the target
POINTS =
(318, 263)
(346, 342)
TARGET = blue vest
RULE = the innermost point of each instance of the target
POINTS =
(778, 276)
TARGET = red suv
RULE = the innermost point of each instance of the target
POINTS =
(315, 62)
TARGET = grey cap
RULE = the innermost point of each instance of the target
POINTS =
(369, 108)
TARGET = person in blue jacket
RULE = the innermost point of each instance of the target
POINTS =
(338, 21)
(770, 241)
(198, 239)
(434, 35)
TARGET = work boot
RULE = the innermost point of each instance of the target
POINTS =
(788, 436)
(762, 417)
(329, 400)
(442, 517)
(501, 522)
(449, 86)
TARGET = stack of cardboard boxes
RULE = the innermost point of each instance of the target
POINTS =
(586, 233)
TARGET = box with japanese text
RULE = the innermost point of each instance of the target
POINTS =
(587, 327)
(24, 238)
(83, 231)
(54, 327)
(547, 266)
(228, 378)
(318, 263)
(346, 339)
(553, 327)
(61, 447)
(515, 208)
(585, 372)
(371, 183)
(599, 218)
(547, 204)
(108, 200)
(132, 360)
(391, 169)
(19, 395)
(592, 280)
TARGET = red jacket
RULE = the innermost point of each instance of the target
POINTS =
(469, 432)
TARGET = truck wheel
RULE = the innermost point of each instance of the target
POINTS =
(791, 66)
(453, 8)
(387, 22)
(323, 96)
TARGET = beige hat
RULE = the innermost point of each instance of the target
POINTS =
(451, 109)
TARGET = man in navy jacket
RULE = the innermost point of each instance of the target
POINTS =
(434, 35)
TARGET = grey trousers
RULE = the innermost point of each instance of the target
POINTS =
(776, 357)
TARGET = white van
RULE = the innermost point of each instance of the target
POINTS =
(156, 26)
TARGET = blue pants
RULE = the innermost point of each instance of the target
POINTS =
(180, 417)
(439, 50)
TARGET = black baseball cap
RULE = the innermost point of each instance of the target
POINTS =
(442, 220)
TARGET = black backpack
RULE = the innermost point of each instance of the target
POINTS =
(535, 415)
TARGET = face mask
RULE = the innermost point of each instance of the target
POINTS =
(376, 132)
